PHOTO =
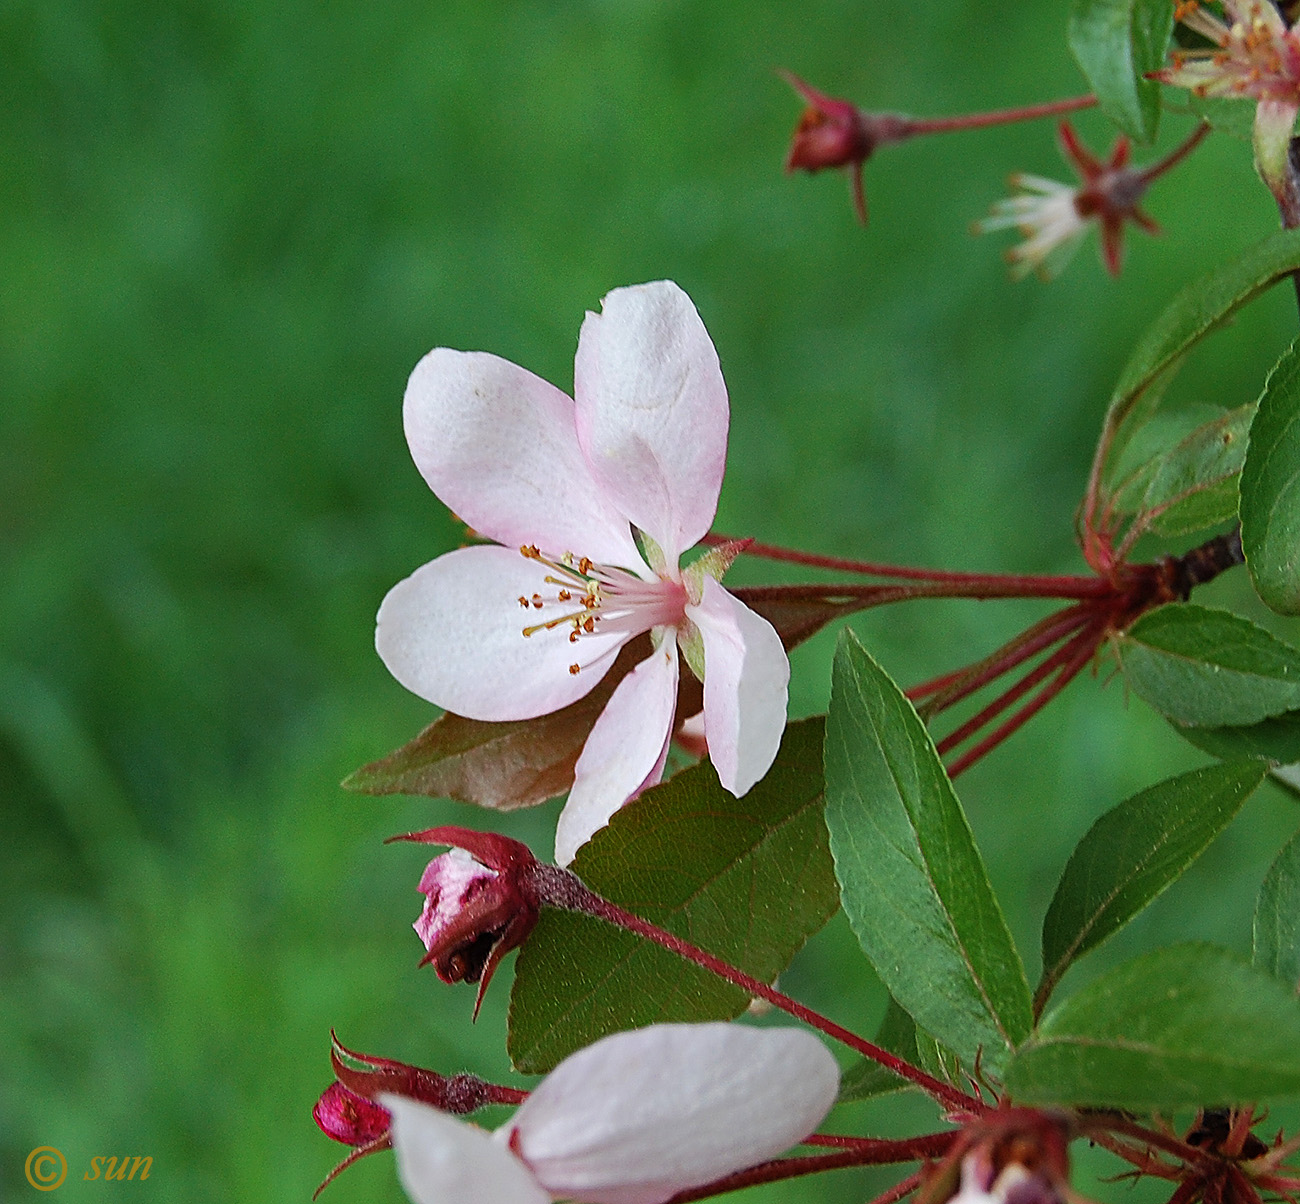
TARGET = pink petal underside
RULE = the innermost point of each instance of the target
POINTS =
(1274, 126)
(639, 1116)
(452, 632)
(746, 674)
(625, 752)
(441, 1160)
(499, 446)
(652, 411)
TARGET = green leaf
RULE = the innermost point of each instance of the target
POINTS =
(1270, 490)
(1188, 1026)
(747, 879)
(1209, 667)
(866, 1079)
(1130, 470)
(911, 879)
(1186, 471)
(1132, 853)
(1275, 740)
(1116, 42)
(1198, 309)
(1277, 917)
(1195, 485)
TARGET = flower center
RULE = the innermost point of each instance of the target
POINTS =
(1256, 55)
(587, 597)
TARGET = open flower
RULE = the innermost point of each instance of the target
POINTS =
(633, 1119)
(1254, 55)
(594, 500)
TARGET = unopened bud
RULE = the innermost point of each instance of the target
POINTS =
(350, 1118)
(836, 133)
(478, 903)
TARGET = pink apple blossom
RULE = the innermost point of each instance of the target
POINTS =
(1255, 55)
(594, 501)
(633, 1119)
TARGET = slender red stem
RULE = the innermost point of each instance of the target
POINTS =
(977, 121)
(1186, 1191)
(792, 1168)
(1031, 642)
(1081, 588)
(1085, 645)
(938, 684)
(560, 888)
(837, 1141)
(1060, 586)
(1115, 1123)
(1244, 1190)
(1145, 1161)
(1155, 170)
(1061, 656)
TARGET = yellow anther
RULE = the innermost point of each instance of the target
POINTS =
(575, 669)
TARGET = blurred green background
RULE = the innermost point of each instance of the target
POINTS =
(227, 232)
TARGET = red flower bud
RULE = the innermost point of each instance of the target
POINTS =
(348, 1113)
(479, 903)
(836, 133)
(348, 1117)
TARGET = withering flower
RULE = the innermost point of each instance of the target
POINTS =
(1054, 217)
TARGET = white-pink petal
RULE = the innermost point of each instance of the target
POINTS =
(746, 675)
(441, 1160)
(639, 1116)
(452, 633)
(1274, 126)
(652, 411)
(625, 752)
(499, 446)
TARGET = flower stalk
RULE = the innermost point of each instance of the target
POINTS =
(563, 889)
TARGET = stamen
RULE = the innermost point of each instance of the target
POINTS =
(575, 669)
(614, 600)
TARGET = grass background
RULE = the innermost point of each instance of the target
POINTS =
(228, 231)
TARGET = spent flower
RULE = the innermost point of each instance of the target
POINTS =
(1054, 217)
(594, 501)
